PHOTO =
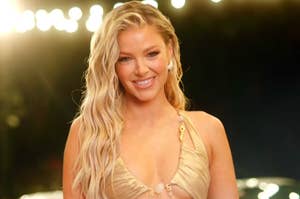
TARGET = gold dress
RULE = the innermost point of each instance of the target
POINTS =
(192, 174)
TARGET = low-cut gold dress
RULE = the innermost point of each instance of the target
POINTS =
(192, 174)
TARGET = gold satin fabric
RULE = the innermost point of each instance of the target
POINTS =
(192, 174)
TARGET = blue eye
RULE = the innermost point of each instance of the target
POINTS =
(123, 59)
(153, 53)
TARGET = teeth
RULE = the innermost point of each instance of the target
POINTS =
(144, 82)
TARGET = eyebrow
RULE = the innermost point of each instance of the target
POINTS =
(150, 48)
(145, 50)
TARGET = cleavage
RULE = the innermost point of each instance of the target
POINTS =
(151, 160)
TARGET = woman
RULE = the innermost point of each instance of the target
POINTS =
(133, 137)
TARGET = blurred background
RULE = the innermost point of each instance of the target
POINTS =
(240, 61)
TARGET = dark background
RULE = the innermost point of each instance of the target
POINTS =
(240, 61)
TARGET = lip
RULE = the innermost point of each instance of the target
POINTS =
(144, 83)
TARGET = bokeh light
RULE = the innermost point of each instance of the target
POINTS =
(57, 19)
(117, 4)
(93, 24)
(94, 21)
(43, 195)
(216, 1)
(294, 195)
(178, 3)
(12, 120)
(71, 26)
(43, 20)
(96, 10)
(75, 13)
(151, 2)
(269, 189)
(26, 21)
(8, 15)
(252, 182)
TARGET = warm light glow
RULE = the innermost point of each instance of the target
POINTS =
(41, 13)
(8, 15)
(56, 14)
(272, 189)
(96, 10)
(216, 1)
(43, 20)
(71, 26)
(43, 195)
(26, 21)
(75, 13)
(178, 3)
(252, 182)
(93, 24)
(95, 19)
(12, 121)
(57, 19)
(262, 195)
(263, 185)
(268, 191)
(294, 195)
(151, 2)
(118, 4)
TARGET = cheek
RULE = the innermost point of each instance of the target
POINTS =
(123, 72)
(159, 65)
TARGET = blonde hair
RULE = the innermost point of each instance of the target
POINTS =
(100, 114)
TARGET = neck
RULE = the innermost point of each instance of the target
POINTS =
(148, 111)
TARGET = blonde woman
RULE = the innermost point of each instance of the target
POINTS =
(133, 137)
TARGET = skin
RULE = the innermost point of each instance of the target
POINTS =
(141, 67)
(142, 71)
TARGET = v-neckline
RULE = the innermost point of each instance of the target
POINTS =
(137, 179)
(171, 181)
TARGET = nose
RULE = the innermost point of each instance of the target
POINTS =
(141, 68)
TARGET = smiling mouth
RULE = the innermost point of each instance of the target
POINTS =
(144, 83)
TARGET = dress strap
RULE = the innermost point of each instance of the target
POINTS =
(192, 130)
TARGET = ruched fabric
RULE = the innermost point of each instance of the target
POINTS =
(192, 174)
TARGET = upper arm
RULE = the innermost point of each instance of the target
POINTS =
(223, 181)
(70, 155)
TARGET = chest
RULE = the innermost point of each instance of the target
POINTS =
(153, 154)
(151, 158)
(147, 160)
(189, 179)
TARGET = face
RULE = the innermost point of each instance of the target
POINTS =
(142, 64)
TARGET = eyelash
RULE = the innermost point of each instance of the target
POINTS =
(153, 53)
(150, 54)
(123, 59)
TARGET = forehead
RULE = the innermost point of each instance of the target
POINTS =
(139, 35)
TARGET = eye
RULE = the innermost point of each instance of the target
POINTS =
(124, 59)
(153, 53)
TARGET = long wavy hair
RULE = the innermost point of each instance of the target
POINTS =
(100, 115)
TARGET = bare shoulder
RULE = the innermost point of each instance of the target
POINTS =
(72, 143)
(70, 155)
(205, 121)
(223, 183)
(75, 126)
(73, 136)
(210, 128)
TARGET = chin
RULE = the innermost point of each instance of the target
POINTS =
(144, 97)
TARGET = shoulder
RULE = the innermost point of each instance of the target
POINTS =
(203, 120)
(70, 156)
(73, 140)
(223, 183)
(211, 130)
(74, 129)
